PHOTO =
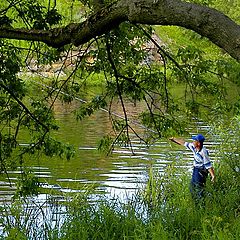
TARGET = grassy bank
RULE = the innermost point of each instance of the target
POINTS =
(167, 213)
(164, 209)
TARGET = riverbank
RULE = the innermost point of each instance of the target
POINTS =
(162, 210)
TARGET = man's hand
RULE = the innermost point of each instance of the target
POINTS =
(213, 179)
(211, 171)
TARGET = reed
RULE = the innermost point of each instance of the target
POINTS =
(164, 209)
(169, 213)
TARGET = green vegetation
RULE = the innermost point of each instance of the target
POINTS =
(164, 209)
(126, 68)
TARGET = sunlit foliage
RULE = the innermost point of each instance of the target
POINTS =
(133, 65)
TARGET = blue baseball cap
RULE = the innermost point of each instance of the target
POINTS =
(199, 138)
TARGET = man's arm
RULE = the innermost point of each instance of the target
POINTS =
(177, 140)
(208, 165)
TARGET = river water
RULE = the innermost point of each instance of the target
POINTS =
(120, 174)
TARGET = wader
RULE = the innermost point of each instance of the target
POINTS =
(199, 177)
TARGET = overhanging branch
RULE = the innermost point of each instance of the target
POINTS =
(206, 21)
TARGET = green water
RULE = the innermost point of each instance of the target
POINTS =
(121, 173)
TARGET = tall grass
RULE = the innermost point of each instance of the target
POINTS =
(164, 209)
(169, 213)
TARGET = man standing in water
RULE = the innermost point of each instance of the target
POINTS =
(201, 165)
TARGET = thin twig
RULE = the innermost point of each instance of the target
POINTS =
(118, 88)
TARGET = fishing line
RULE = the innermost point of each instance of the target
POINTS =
(102, 109)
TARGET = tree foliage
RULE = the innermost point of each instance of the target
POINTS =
(114, 40)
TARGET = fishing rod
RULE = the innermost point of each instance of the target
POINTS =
(102, 109)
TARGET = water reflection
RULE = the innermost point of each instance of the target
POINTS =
(120, 174)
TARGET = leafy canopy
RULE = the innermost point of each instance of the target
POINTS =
(132, 63)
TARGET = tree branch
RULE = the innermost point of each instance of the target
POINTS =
(206, 21)
(24, 107)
